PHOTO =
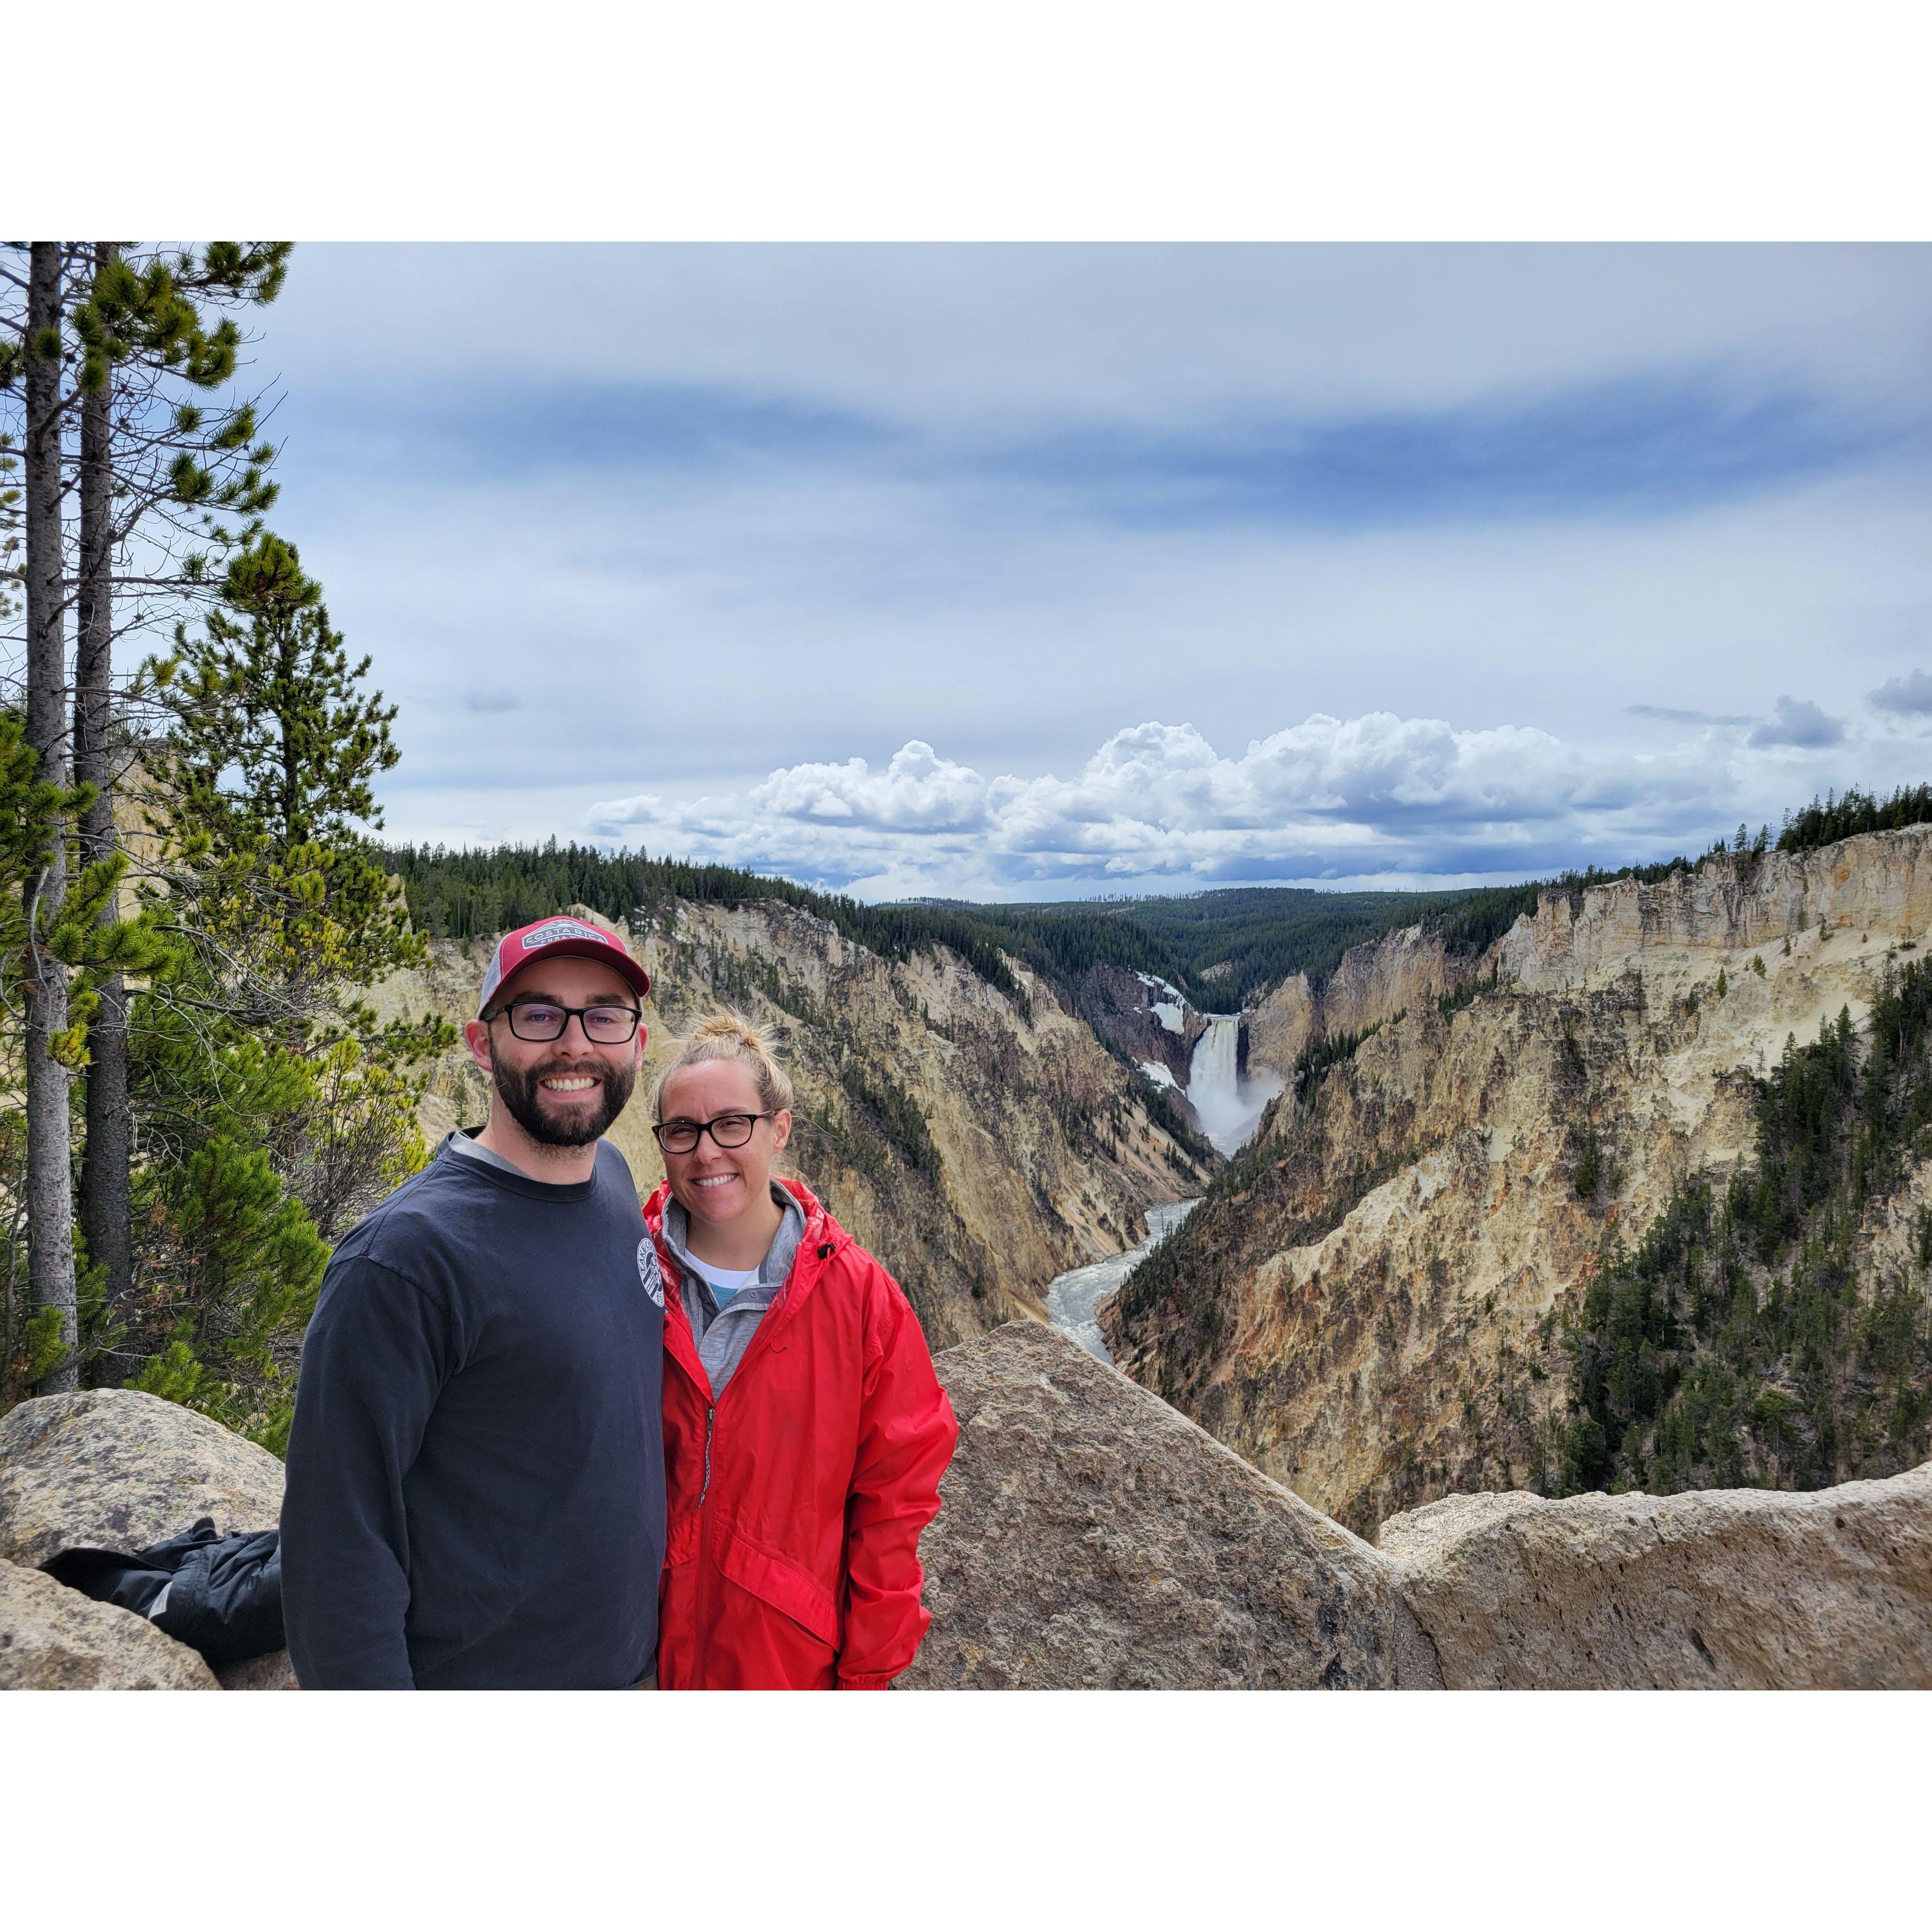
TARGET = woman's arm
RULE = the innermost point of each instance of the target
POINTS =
(906, 1438)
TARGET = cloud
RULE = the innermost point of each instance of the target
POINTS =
(1379, 795)
(1911, 693)
(1799, 723)
(1670, 715)
(1000, 501)
(1657, 445)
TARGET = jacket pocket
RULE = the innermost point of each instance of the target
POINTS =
(777, 1581)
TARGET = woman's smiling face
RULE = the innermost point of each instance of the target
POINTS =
(712, 1183)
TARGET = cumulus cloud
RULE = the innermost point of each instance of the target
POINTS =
(1376, 796)
(1798, 723)
(1911, 693)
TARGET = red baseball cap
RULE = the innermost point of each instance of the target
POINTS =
(549, 937)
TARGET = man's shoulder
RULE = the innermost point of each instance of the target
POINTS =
(614, 1176)
(422, 1210)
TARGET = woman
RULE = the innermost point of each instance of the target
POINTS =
(804, 1432)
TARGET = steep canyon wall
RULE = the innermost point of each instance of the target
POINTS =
(1367, 1305)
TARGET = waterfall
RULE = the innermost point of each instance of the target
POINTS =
(1212, 1073)
(1227, 1106)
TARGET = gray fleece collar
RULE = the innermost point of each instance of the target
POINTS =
(700, 1303)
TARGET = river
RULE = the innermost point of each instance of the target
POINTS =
(1071, 1297)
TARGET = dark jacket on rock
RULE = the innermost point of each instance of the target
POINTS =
(475, 1472)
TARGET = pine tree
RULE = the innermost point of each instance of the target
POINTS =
(50, 1223)
(30, 810)
(275, 1106)
(273, 750)
(74, 314)
(155, 466)
(51, 1342)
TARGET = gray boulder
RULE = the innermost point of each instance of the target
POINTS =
(272, 1673)
(116, 1469)
(1091, 1537)
(1745, 1589)
(54, 1638)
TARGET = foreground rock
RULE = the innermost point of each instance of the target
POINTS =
(1741, 1589)
(54, 1639)
(115, 1469)
(272, 1673)
(1091, 1537)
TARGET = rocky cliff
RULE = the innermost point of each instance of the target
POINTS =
(1403, 972)
(1370, 1304)
(978, 1144)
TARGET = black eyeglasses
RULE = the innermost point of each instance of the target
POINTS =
(728, 1130)
(540, 1019)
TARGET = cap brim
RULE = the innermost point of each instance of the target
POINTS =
(615, 957)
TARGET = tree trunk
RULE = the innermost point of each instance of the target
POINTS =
(105, 1160)
(49, 1140)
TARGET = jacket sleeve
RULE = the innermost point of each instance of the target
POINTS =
(374, 1362)
(906, 1438)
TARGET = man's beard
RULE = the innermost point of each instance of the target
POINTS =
(519, 1093)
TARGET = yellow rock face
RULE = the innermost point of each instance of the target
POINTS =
(1370, 1320)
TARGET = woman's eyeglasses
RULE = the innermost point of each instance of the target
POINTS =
(728, 1130)
(538, 1019)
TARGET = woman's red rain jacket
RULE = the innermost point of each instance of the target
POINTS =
(796, 1497)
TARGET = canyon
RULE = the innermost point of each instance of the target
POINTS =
(1369, 1304)
(1341, 1356)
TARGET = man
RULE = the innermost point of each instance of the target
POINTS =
(475, 1474)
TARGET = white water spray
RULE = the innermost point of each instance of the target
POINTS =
(1227, 1106)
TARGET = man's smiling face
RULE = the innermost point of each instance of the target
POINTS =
(562, 1093)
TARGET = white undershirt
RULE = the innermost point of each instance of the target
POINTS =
(725, 1283)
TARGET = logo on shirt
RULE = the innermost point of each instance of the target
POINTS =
(649, 1272)
(548, 935)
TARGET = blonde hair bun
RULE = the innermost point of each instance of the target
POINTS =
(728, 1036)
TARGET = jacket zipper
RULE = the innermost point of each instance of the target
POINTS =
(703, 1554)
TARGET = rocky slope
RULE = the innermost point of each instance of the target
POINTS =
(1403, 972)
(978, 1146)
(1366, 1306)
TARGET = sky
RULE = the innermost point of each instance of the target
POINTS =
(1052, 571)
